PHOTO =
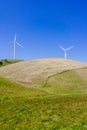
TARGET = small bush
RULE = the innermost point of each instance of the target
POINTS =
(1, 63)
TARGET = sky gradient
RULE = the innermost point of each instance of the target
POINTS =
(42, 25)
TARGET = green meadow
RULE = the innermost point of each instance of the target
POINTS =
(60, 104)
(66, 82)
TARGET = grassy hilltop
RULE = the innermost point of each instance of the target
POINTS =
(5, 62)
(47, 94)
(35, 72)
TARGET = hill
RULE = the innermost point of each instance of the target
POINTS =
(5, 62)
(36, 72)
(55, 97)
(29, 108)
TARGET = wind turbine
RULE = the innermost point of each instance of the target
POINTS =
(16, 43)
(65, 50)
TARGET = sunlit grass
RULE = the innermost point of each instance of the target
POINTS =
(24, 108)
(65, 112)
(10, 89)
(67, 82)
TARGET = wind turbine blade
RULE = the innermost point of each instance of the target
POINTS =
(19, 45)
(69, 48)
(62, 48)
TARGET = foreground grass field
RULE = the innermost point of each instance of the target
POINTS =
(36, 109)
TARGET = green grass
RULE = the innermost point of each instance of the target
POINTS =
(9, 89)
(67, 82)
(44, 108)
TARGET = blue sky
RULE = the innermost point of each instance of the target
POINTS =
(42, 25)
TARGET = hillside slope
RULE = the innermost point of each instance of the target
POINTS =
(59, 104)
(36, 72)
(24, 108)
(67, 82)
(5, 62)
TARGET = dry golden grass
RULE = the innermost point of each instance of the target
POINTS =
(35, 72)
(82, 73)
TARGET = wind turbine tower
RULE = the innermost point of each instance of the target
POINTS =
(18, 44)
(65, 50)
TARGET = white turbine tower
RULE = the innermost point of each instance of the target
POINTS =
(65, 50)
(16, 43)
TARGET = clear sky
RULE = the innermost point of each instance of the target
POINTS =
(42, 25)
